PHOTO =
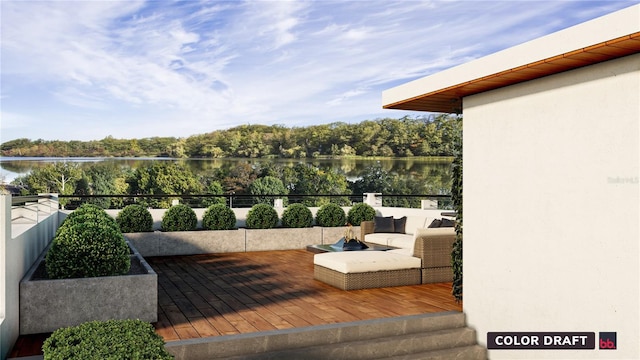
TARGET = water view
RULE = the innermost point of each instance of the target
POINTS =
(434, 172)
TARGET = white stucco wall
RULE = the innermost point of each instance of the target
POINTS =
(20, 246)
(561, 154)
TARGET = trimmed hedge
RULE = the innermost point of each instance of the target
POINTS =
(262, 216)
(135, 218)
(219, 217)
(87, 248)
(179, 218)
(95, 217)
(331, 215)
(297, 216)
(360, 212)
(112, 339)
(84, 209)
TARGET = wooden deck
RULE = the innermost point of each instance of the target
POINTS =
(221, 294)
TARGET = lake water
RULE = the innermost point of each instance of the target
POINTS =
(435, 172)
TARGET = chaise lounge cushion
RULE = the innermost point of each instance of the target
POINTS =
(366, 261)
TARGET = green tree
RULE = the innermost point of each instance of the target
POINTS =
(214, 188)
(238, 178)
(309, 180)
(99, 179)
(165, 178)
(267, 185)
(59, 177)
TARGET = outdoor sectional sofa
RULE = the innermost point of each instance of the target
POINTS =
(422, 257)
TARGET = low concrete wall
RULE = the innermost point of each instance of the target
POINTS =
(159, 243)
(331, 235)
(46, 305)
(282, 239)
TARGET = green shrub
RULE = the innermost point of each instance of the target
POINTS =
(262, 216)
(83, 210)
(297, 216)
(87, 249)
(219, 217)
(360, 212)
(111, 339)
(331, 215)
(134, 218)
(92, 214)
(179, 218)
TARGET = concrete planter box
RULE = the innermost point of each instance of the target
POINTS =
(282, 238)
(46, 305)
(171, 243)
(197, 242)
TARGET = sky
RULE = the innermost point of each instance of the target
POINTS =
(85, 70)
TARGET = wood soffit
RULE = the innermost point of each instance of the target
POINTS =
(449, 100)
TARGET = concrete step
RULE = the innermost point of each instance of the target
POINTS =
(399, 336)
(399, 345)
(472, 352)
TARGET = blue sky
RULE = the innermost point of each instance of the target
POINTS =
(83, 70)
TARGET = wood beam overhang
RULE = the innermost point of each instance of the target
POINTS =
(449, 99)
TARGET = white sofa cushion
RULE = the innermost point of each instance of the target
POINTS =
(413, 223)
(348, 262)
(378, 238)
(405, 241)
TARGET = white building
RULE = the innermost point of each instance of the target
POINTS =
(552, 135)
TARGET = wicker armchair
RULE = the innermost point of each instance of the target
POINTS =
(434, 246)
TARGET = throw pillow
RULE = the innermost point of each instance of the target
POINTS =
(383, 224)
(435, 223)
(447, 223)
(399, 225)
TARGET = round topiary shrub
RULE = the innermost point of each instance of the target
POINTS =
(93, 215)
(83, 210)
(87, 249)
(179, 218)
(219, 217)
(297, 216)
(262, 216)
(111, 339)
(134, 218)
(331, 215)
(360, 212)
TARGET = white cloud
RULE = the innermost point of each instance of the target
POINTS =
(135, 69)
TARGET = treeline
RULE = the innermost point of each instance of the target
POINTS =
(420, 136)
(173, 178)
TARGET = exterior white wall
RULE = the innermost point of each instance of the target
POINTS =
(17, 254)
(561, 155)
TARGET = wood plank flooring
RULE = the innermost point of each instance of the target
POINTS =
(222, 294)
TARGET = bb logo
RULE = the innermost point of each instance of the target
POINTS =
(608, 341)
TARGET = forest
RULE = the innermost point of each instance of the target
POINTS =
(254, 181)
(433, 135)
